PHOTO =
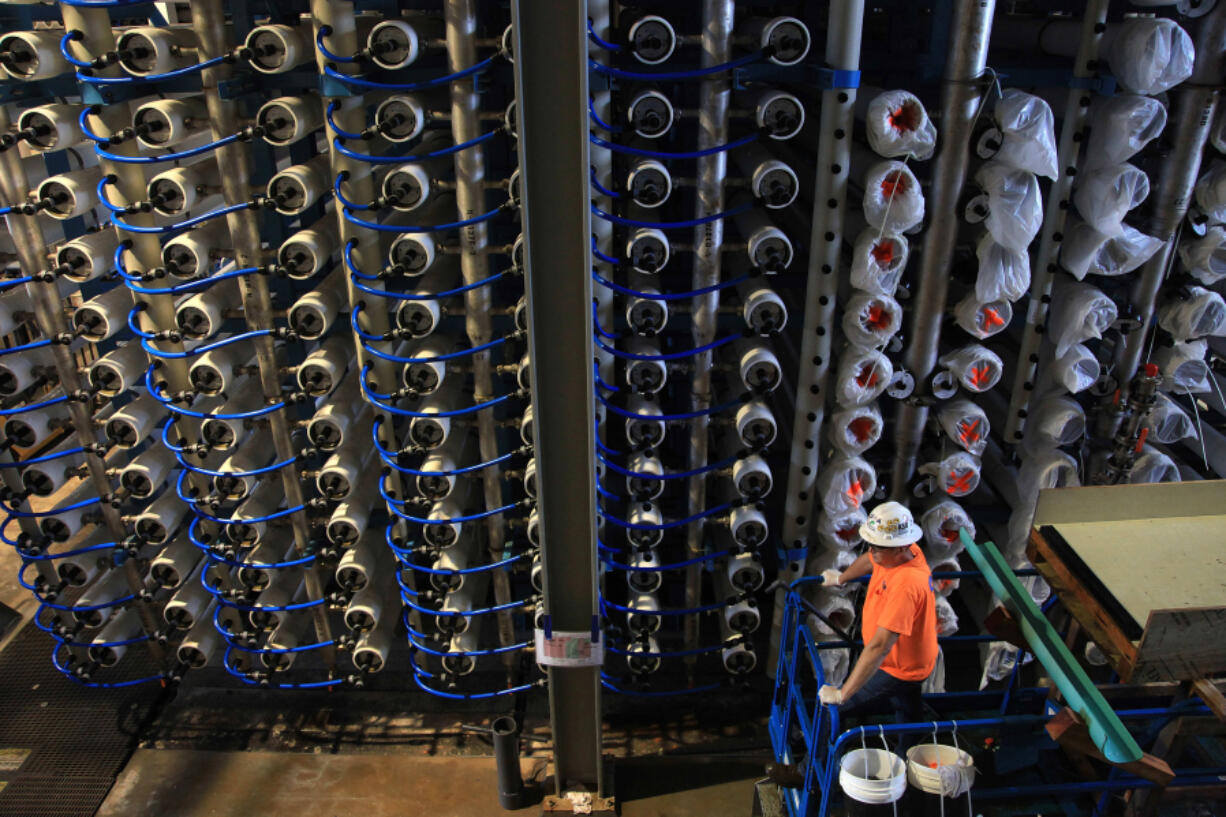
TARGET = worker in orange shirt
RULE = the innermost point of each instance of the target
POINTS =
(898, 624)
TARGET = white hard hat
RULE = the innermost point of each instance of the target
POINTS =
(891, 525)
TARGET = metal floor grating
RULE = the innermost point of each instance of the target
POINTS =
(61, 746)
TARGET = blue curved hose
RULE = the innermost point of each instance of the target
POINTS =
(656, 154)
(329, 71)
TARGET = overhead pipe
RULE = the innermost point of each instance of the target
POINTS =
(1072, 133)
(460, 17)
(961, 101)
(716, 95)
(233, 165)
(843, 35)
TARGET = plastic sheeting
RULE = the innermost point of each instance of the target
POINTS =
(941, 523)
(1183, 366)
(1153, 466)
(1120, 126)
(1086, 251)
(1004, 275)
(841, 531)
(1200, 313)
(869, 321)
(1077, 369)
(966, 424)
(956, 475)
(1050, 468)
(844, 483)
(1210, 192)
(982, 320)
(1205, 258)
(855, 430)
(976, 368)
(947, 619)
(1028, 135)
(1104, 196)
(878, 261)
(863, 375)
(1079, 312)
(1055, 421)
(1167, 422)
(1015, 206)
(897, 125)
(893, 201)
(1149, 55)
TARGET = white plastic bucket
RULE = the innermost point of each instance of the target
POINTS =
(872, 776)
(924, 764)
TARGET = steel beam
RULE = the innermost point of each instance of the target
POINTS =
(551, 87)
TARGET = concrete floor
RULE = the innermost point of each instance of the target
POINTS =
(187, 783)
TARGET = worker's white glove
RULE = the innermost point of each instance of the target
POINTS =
(829, 695)
(830, 577)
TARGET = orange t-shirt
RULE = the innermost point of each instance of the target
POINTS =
(901, 600)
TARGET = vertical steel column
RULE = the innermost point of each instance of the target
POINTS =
(44, 294)
(461, 20)
(715, 93)
(960, 102)
(234, 167)
(1046, 262)
(843, 32)
(551, 86)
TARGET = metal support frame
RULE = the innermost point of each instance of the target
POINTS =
(460, 17)
(233, 165)
(843, 34)
(961, 99)
(1072, 131)
(551, 85)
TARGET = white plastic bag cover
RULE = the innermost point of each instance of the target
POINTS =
(944, 586)
(1153, 466)
(1044, 468)
(1004, 275)
(1210, 192)
(855, 430)
(1104, 196)
(1205, 258)
(934, 684)
(982, 320)
(893, 201)
(897, 125)
(844, 483)
(1028, 135)
(947, 619)
(1015, 206)
(975, 367)
(869, 321)
(841, 531)
(941, 523)
(1056, 421)
(966, 424)
(1077, 369)
(1149, 55)
(1183, 366)
(1202, 313)
(1079, 312)
(1086, 251)
(1120, 126)
(956, 475)
(863, 375)
(1168, 422)
(999, 661)
(831, 558)
(878, 261)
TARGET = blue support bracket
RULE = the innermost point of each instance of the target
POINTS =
(813, 76)
(1106, 730)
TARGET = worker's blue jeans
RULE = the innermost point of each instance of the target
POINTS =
(882, 694)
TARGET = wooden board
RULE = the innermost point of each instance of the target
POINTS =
(1168, 563)
(1182, 645)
